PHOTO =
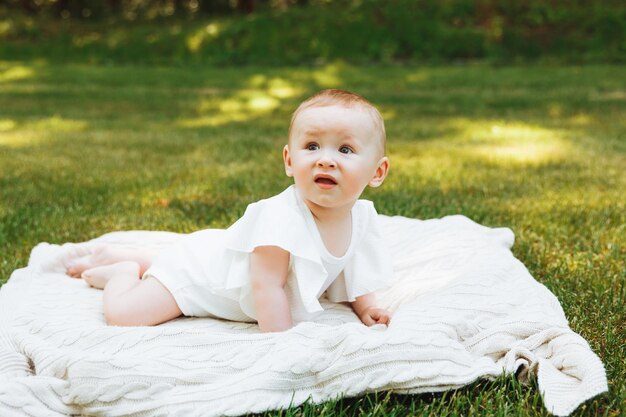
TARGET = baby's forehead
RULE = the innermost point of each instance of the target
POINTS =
(340, 119)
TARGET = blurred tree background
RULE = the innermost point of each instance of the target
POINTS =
(287, 32)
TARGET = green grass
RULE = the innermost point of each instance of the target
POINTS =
(85, 150)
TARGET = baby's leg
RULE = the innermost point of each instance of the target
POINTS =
(129, 301)
(107, 254)
(99, 276)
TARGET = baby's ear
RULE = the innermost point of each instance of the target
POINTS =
(381, 172)
(287, 159)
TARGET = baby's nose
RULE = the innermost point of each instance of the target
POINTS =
(326, 161)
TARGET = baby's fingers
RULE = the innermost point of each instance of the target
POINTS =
(368, 320)
(381, 317)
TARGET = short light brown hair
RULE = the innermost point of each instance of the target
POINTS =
(332, 97)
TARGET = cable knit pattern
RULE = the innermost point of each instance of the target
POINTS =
(465, 308)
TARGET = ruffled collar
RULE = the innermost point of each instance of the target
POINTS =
(317, 236)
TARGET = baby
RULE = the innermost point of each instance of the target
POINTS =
(275, 262)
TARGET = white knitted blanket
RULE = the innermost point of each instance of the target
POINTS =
(465, 308)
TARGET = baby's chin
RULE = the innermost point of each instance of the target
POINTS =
(328, 201)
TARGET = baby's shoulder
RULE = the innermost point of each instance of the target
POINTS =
(366, 212)
(275, 221)
(274, 215)
(365, 205)
(281, 206)
(367, 224)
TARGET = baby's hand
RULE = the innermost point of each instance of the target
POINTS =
(374, 315)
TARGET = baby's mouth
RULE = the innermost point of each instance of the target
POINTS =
(325, 181)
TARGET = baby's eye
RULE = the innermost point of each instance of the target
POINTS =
(346, 149)
(312, 147)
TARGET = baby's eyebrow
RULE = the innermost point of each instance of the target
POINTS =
(344, 134)
(313, 132)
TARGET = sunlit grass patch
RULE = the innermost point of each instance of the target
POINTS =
(262, 97)
(514, 143)
(7, 125)
(329, 76)
(20, 139)
(31, 132)
(57, 124)
(196, 39)
(464, 153)
(15, 73)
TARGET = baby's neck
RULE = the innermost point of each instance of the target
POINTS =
(329, 215)
(334, 226)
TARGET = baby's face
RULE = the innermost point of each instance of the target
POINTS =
(334, 153)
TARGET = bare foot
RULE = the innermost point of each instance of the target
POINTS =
(107, 254)
(99, 276)
(96, 258)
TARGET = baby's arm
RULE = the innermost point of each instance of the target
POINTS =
(269, 267)
(365, 307)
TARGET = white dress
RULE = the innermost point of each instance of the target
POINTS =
(208, 272)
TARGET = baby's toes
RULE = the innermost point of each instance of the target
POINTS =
(76, 267)
(72, 271)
